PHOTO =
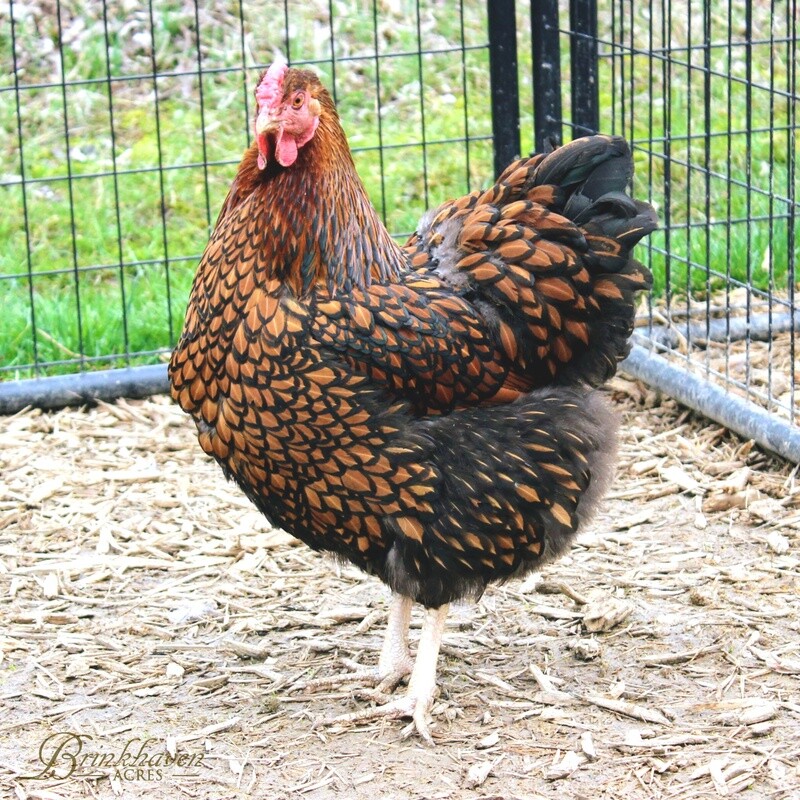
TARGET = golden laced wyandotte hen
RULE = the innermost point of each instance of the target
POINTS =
(425, 412)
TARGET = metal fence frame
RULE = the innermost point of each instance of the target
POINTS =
(548, 31)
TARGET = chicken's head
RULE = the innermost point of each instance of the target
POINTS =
(288, 113)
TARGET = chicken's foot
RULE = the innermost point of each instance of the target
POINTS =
(394, 663)
(418, 699)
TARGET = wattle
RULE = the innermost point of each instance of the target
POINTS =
(285, 149)
(263, 150)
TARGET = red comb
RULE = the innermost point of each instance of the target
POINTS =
(270, 91)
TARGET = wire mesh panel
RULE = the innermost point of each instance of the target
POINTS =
(122, 125)
(708, 94)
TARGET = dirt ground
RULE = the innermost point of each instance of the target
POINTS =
(155, 633)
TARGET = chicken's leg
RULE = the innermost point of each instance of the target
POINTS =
(395, 660)
(422, 685)
(394, 663)
(418, 699)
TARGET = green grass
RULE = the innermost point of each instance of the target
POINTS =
(130, 263)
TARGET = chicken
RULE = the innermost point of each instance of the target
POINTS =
(425, 412)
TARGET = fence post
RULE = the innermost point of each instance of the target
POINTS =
(546, 72)
(504, 81)
(583, 61)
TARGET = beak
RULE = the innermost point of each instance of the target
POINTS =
(266, 123)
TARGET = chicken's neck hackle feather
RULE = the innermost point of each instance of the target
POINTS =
(313, 220)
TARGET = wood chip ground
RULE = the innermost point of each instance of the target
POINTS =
(152, 618)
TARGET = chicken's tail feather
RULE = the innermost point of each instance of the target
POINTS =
(546, 255)
(516, 484)
(586, 182)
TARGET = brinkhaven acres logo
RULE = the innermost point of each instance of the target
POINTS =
(68, 755)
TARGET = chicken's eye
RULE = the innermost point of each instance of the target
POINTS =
(298, 100)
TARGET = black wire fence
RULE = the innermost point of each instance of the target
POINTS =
(122, 127)
(122, 130)
(707, 94)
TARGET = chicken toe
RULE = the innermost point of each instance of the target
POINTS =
(394, 664)
(418, 699)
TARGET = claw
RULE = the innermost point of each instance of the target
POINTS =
(421, 719)
(407, 706)
(418, 699)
